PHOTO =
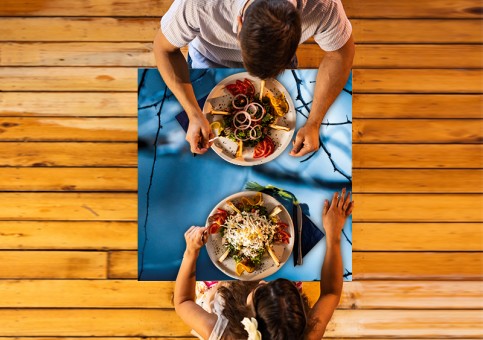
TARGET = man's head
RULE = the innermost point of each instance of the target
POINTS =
(269, 37)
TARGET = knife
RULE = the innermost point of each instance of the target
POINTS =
(299, 225)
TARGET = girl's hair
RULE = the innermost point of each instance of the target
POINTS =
(280, 309)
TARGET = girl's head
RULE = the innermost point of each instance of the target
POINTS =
(280, 310)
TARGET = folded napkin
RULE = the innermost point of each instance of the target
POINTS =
(311, 235)
(182, 117)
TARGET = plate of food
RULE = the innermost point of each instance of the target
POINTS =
(254, 120)
(250, 235)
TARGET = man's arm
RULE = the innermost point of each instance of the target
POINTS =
(331, 78)
(184, 290)
(334, 216)
(174, 70)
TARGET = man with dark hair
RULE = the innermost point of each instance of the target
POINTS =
(262, 36)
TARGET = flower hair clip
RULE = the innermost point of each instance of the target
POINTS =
(251, 326)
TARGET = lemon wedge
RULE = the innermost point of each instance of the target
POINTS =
(217, 127)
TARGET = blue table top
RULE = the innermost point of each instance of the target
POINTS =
(177, 190)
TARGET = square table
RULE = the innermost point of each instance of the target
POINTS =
(177, 190)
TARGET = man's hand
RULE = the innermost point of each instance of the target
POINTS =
(196, 238)
(199, 133)
(306, 141)
(335, 214)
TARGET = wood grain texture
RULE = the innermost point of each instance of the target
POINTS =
(68, 129)
(137, 29)
(68, 79)
(145, 322)
(418, 208)
(148, 294)
(401, 56)
(417, 81)
(52, 265)
(431, 106)
(137, 54)
(68, 179)
(353, 8)
(366, 265)
(416, 266)
(68, 235)
(417, 156)
(68, 206)
(417, 181)
(79, 104)
(417, 236)
(40, 154)
(417, 131)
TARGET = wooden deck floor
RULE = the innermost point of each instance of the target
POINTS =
(68, 178)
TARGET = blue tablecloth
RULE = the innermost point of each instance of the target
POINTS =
(177, 190)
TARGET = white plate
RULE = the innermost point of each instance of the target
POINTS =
(267, 267)
(219, 99)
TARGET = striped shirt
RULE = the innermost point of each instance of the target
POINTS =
(210, 28)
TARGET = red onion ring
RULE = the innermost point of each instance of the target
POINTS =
(253, 114)
(236, 97)
(242, 123)
(254, 130)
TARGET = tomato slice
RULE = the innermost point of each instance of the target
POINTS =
(233, 89)
(260, 149)
(250, 87)
(213, 228)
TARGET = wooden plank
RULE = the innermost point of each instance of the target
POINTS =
(366, 265)
(417, 181)
(416, 106)
(416, 31)
(41, 154)
(417, 156)
(68, 235)
(140, 55)
(83, 104)
(416, 266)
(125, 79)
(417, 81)
(80, 29)
(68, 179)
(453, 131)
(354, 8)
(142, 322)
(68, 207)
(430, 236)
(77, 54)
(398, 56)
(413, 9)
(150, 294)
(52, 265)
(418, 208)
(68, 79)
(123, 265)
(68, 129)
(144, 29)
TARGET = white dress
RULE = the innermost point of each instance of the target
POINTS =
(208, 298)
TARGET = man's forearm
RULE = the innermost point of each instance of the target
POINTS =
(331, 275)
(174, 70)
(331, 78)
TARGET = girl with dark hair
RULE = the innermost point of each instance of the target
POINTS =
(261, 310)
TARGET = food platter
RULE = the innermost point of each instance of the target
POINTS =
(220, 99)
(267, 266)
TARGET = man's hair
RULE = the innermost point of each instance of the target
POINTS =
(280, 310)
(269, 37)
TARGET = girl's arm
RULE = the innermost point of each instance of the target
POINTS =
(184, 290)
(333, 217)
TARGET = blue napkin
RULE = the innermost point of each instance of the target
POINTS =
(311, 234)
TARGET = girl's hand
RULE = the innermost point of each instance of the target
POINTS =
(196, 238)
(335, 214)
